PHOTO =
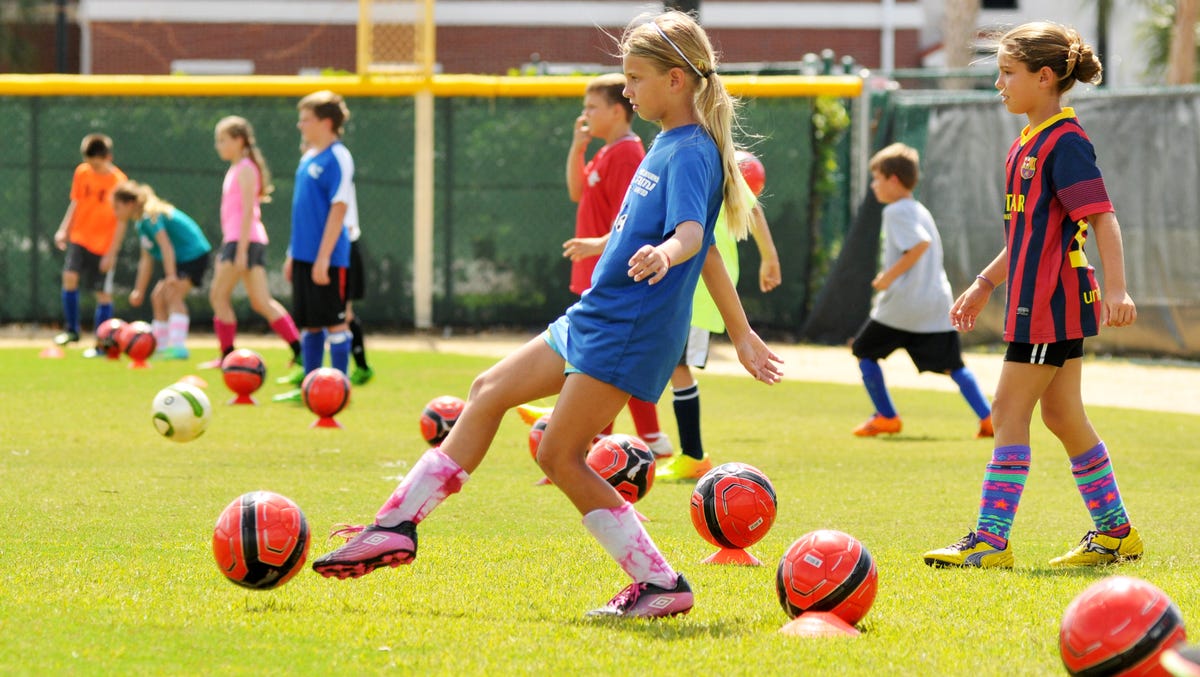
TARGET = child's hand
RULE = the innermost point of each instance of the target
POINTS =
(135, 298)
(880, 282)
(583, 133)
(649, 262)
(1118, 310)
(758, 359)
(60, 239)
(583, 247)
(769, 276)
(967, 307)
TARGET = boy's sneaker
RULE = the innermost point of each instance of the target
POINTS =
(173, 353)
(360, 377)
(289, 396)
(683, 468)
(293, 378)
(1096, 549)
(645, 600)
(985, 428)
(214, 363)
(1182, 661)
(93, 353)
(530, 413)
(373, 546)
(970, 551)
(66, 337)
(878, 425)
(661, 447)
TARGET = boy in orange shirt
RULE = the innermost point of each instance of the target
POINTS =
(90, 234)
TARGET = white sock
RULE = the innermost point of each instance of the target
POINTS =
(159, 329)
(431, 480)
(625, 539)
(177, 329)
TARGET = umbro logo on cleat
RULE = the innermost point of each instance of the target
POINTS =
(375, 539)
(661, 602)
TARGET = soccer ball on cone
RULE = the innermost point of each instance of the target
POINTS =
(1119, 626)
(439, 416)
(260, 540)
(733, 505)
(325, 392)
(830, 571)
(244, 372)
(106, 337)
(181, 412)
(626, 463)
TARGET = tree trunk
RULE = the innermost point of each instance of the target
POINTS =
(958, 38)
(1181, 65)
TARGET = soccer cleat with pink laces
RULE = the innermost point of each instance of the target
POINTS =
(367, 549)
(646, 600)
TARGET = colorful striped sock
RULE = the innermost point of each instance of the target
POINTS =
(872, 377)
(1003, 482)
(1098, 486)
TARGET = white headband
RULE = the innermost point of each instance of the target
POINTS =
(677, 50)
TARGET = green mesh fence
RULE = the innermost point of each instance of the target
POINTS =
(501, 214)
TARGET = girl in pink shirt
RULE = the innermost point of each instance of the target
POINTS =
(244, 240)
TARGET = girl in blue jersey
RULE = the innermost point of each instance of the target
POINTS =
(1055, 197)
(624, 335)
(168, 236)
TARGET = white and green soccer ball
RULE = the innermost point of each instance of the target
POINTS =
(181, 412)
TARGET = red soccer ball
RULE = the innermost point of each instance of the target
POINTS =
(439, 416)
(1119, 626)
(106, 337)
(752, 171)
(139, 341)
(260, 540)
(244, 371)
(626, 463)
(325, 391)
(733, 505)
(830, 571)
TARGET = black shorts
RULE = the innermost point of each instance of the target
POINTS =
(193, 270)
(355, 283)
(1053, 354)
(256, 254)
(315, 305)
(939, 351)
(87, 265)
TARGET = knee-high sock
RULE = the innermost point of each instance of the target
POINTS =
(625, 539)
(1098, 486)
(358, 350)
(645, 419)
(161, 332)
(872, 377)
(313, 343)
(339, 351)
(177, 329)
(434, 477)
(70, 301)
(285, 327)
(226, 334)
(967, 385)
(1003, 482)
(687, 416)
(104, 313)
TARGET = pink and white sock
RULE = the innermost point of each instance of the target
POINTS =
(431, 480)
(177, 329)
(159, 329)
(625, 539)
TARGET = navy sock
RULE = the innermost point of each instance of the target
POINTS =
(357, 350)
(104, 312)
(70, 301)
(969, 387)
(872, 377)
(339, 351)
(313, 343)
(687, 415)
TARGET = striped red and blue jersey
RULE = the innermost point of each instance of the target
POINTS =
(1053, 185)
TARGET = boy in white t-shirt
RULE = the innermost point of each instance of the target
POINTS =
(912, 309)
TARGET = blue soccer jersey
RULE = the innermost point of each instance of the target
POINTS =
(185, 235)
(323, 178)
(630, 334)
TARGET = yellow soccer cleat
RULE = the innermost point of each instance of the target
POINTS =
(970, 551)
(683, 468)
(530, 414)
(1096, 549)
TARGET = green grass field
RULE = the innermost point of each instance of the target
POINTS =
(106, 563)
